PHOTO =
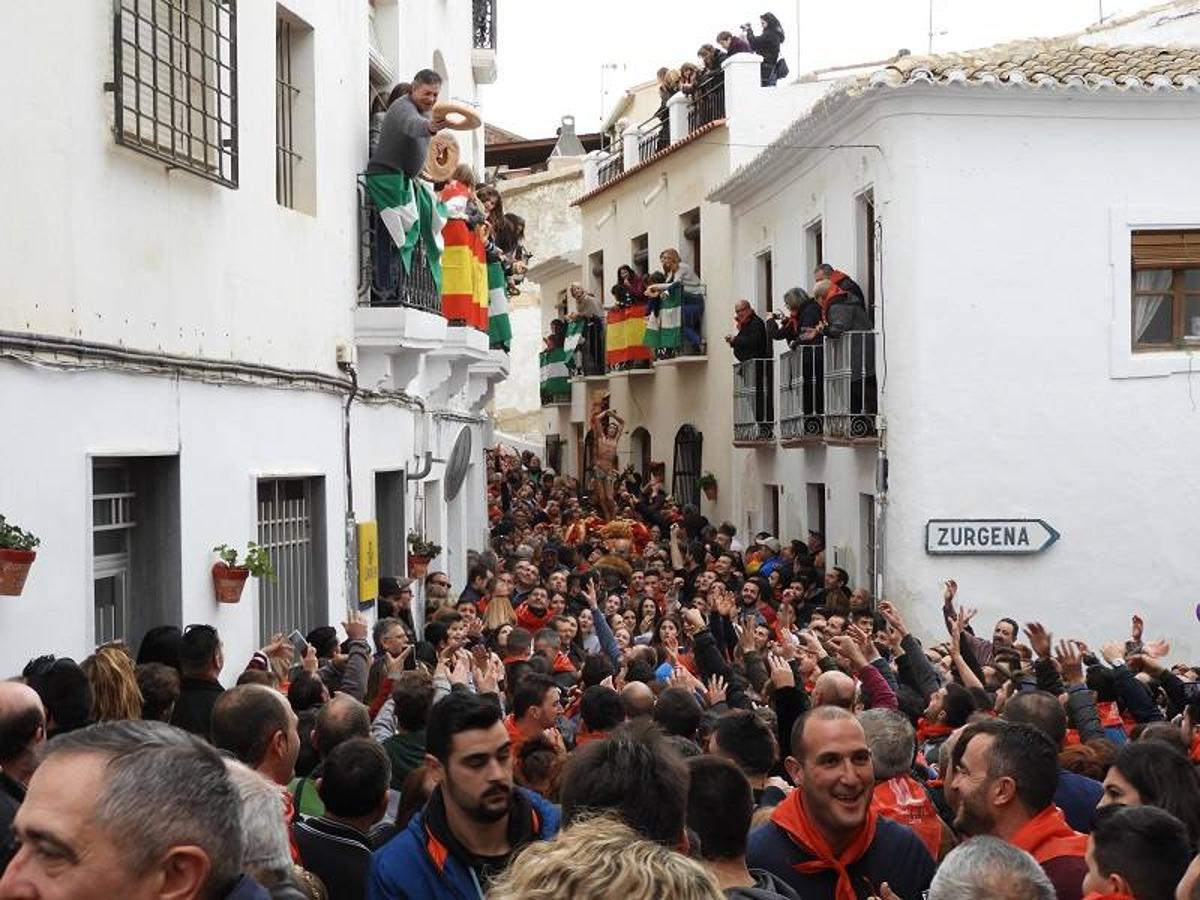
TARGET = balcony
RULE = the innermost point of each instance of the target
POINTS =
(708, 104)
(802, 395)
(654, 135)
(382, 279)
(483, 41)
(754, 403)
(610, 169)
(585, 348)
(828, 394)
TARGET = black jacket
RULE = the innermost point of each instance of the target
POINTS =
(12, 794)
(193, 709)
(751, 340)
(337, 854)
(846, 313)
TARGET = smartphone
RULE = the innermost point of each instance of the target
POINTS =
(299, 644)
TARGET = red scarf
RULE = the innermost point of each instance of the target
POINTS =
(1096, 895)
(562, 663)
(1195, 751)
(1047, 836)
(585, 736)
(792, 818)
(902, 799)
(927, 731)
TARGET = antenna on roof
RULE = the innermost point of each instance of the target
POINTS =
(932, 33)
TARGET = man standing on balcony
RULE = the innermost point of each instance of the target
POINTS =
(408, 128)
(750, 342)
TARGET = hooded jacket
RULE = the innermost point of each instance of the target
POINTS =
(426, 861)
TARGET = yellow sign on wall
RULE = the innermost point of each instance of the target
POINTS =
(368, 561)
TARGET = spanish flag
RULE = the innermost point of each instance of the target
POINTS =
(464, 264)
(625, 335)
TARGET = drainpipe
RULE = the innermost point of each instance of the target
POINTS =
(351, 536)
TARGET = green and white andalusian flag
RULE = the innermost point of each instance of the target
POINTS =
(574, 336)
(499, 328)
(411, 213)
(663, 328)
(554, 374)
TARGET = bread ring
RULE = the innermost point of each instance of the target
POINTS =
(442, 158)
(466, 119)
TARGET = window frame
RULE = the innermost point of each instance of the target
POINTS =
(1178, 291)
(216, 158)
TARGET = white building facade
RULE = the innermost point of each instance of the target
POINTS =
(1027, 225)
(189, 352)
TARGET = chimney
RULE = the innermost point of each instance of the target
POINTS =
(568, 142)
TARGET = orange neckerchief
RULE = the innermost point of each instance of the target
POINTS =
(792, 818)
(585, 736)
(1047, 836)
(927, 730)
(1195, 751)
(1110, 715)
(1096, 895)
(902, 799)
(562, 663)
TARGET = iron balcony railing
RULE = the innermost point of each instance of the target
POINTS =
(655, 136)
(382, 280)
(611, 168)
(851, 391)
(589, 354)
(483, 17)
(708, 104)
(754, 401)
(802, 392)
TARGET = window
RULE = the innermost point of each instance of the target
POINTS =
(294, 114)
(685, 476)
(596, 275)
(555, 445)
(771, 505)
(135, 546)
(1166, 289)
(175, 84)
(816, 506)
(389, 515)
(561, 305)
(640, 253)
(866, 246)
(291, 527)
(814, 245)
(867, 534)
(639, 451)
(764, 282)
(689, 229)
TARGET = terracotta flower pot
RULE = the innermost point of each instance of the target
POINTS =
(418, 565)
(14, 567)
(228, 582)
(710, 491)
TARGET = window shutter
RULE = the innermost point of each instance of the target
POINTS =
(1166, 249)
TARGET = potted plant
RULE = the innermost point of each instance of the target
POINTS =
(229, 575)
(708, 484)
(16, 557)
(420, 552)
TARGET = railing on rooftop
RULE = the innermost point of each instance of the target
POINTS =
(382, 280)
(708, 104)
(483, 19)
(754, 401)
(655, 136)
(611, 168)
(802, 392)
(851, 390)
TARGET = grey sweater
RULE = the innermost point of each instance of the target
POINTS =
(403, 140)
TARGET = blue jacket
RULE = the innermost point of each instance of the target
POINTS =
(1078, 797)
(414, 865)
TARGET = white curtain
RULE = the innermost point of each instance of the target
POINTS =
(1145, 308)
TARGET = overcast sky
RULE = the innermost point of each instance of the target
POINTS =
(551, 52)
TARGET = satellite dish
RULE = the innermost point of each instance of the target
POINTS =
(460, 460)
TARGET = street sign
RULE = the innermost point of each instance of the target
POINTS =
(1001, 537)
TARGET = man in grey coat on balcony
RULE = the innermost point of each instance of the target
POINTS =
(750, 343)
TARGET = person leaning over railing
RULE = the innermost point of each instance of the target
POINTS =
(676, 271)
(804, 315)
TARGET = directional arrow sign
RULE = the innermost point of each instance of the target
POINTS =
(1002, 537)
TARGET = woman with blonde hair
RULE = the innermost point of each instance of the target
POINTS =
(115, 692)
(620, 865)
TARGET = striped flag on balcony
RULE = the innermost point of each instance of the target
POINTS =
(663, 327)
(499, 328)
(410, 212)
(574, 336)
(625, 334)
(464, 264)
(554, 373)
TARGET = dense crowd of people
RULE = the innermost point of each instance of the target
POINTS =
(642, 705)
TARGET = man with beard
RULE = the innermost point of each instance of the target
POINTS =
(824, 840)
(1004, 635)
(475, 820)
(1002, 782)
